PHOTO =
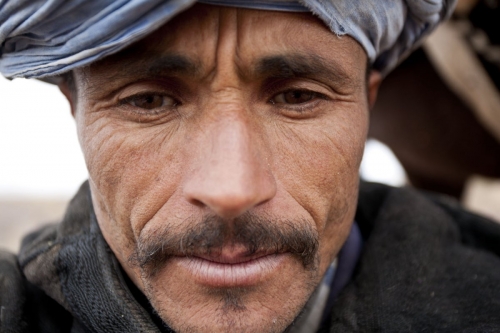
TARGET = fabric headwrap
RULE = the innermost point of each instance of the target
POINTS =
(45, 38)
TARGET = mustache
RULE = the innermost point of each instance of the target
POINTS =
(212, 233)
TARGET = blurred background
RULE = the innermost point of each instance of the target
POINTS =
(439, 112)
(41, 165)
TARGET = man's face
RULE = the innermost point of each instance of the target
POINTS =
(223, 154)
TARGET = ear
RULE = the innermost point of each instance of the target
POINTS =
(69, 94)
(373, 84)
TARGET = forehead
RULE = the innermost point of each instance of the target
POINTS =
(199, 38)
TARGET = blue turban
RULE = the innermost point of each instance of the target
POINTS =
(45, 38)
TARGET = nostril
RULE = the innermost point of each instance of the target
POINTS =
(196, 202)
(227, 204)
(232, 195)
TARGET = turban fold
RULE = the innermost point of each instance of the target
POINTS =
(45, 38)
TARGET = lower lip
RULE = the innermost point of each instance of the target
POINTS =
(215, 274)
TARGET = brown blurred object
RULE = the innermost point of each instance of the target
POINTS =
(459, 67)
(437, 136)
(464, 7)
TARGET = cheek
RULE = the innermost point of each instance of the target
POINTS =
(318, 166)
(127, 167)
(318, 163)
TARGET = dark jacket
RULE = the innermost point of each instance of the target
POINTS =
(427, 266)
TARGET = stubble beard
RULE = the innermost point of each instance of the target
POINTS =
(230, 309)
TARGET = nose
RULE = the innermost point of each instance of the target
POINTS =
(231, 174)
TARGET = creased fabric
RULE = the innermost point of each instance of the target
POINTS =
(41, 38)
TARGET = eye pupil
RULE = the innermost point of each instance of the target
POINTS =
(297, 96)
(148, 101)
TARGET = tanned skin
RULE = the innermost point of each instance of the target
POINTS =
(223, 153)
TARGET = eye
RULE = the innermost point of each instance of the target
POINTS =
(294, 97)
(150, 101)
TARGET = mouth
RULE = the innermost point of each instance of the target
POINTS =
(231, 268)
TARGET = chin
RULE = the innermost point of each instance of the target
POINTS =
(268, 303)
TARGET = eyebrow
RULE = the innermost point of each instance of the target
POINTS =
(298, 65)
(171, 64)
(137, 68)
(163, 65)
